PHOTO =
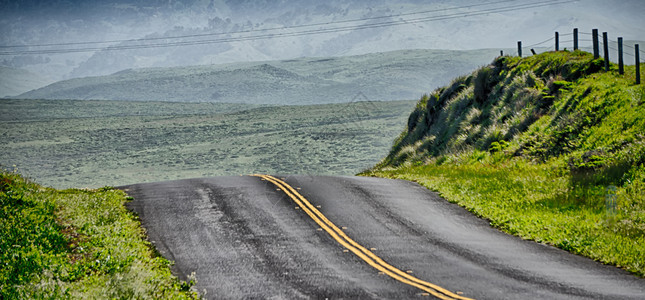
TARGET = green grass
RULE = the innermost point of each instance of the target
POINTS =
(537, 202)
(549, 147)
(77, 244)
(84, 243)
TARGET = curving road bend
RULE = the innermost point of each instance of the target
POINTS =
(304, 237)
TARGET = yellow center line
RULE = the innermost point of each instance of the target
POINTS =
(360, 251)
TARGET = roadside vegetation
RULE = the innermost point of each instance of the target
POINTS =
(550, 148)
(77, 244)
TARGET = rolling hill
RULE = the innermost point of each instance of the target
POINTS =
(548, 147)
(396, 75)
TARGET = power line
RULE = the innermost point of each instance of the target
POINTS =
(256, 30)
(297, 33)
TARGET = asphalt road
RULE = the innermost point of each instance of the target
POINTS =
(246, 237)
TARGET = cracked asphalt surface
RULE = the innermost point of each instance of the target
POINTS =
(244, 238)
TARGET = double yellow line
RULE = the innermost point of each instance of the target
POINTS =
(360, 251)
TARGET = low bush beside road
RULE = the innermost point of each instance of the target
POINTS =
(78, 244)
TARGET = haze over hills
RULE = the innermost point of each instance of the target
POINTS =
(15, 81)
(396, 75)
(409, 24)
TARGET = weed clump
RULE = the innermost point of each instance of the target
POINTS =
(76, 244)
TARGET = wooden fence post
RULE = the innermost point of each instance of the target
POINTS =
(621, 67)
(605, 48)
(519, 48)
(638, 64)
(575, 39)
(557, 41)
(596, 50)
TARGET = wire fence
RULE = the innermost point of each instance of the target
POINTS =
(585, 44)
(598, 44)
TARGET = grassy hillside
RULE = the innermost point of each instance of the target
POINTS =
(382, 76)
(77, 244)
(549, 147)
(94, 143)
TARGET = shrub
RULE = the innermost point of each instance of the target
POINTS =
(484, 80)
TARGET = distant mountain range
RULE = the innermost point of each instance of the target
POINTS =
(396, 75)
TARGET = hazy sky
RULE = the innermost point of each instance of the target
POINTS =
(191, 32)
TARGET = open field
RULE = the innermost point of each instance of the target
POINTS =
(96, 143)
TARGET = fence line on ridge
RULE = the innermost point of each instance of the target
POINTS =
(597, 41)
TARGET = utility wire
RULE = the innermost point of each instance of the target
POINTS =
(256, 30)
(292, 34)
